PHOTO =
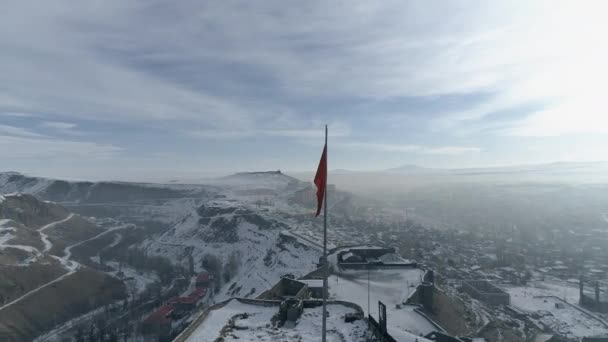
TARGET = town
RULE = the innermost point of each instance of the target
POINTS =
(450, 293)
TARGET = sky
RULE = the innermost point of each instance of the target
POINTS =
(141, 88)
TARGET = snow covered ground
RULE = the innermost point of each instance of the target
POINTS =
(5, 235)
(555, 287)
(567, 321)
(258, 327)
(390, 286)
(303, 240)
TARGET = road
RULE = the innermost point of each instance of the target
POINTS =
(45, 238)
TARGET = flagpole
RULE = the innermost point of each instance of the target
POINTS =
(326, 266)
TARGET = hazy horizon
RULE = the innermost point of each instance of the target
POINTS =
(393, 180)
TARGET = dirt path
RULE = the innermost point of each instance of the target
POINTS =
(45, 238)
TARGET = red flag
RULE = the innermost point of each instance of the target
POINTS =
(320, 179)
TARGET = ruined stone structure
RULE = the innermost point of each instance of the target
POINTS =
(286, 288)
(486, 292)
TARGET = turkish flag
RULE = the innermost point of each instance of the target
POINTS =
(320, 179)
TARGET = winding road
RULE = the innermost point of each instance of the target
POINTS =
(47, 246)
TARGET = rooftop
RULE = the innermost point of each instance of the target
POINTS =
(392, 287)
(246, 321)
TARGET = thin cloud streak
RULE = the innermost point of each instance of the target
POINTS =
(18, 132)
(58, 125)
(47, 150)
(416, 149)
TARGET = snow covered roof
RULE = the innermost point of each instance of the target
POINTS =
(160, 316)
(390, 286)
(350, 255)
(393, 258)
(257, 321)
(199, 292)
(312, 283)
(202, 277)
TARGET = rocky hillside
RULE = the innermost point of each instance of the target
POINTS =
(95, 192)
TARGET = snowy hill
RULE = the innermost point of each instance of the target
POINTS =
(223, 230)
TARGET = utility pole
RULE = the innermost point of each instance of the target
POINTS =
(326, 266)
(368, 306)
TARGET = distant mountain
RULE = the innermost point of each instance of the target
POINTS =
(548, 168)
(260, 177)
(93, 192)
(267, 182)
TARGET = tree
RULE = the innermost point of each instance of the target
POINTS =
(79, 334)
(92, 337)
(112, 337)
(232, 266)
(190, 264)
(125, 304)
(213, 265)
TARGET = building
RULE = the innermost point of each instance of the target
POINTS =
(203, 279)
(286, 288)
(596, 301)
(315, 287)
(486, 292)
(159, 322)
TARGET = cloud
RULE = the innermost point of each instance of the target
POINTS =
(296, 129)
(312, 133)
(62, 126)
(16, 114)
(44, 150)
(233, 70)
(18, 143)
(204, 62)
(416, 149)
(17, 132)
(565, 119)
(561, 68)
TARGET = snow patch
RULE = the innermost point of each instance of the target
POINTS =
(568, 320)
(5, 235)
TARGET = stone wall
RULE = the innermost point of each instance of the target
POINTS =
(486, 292)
